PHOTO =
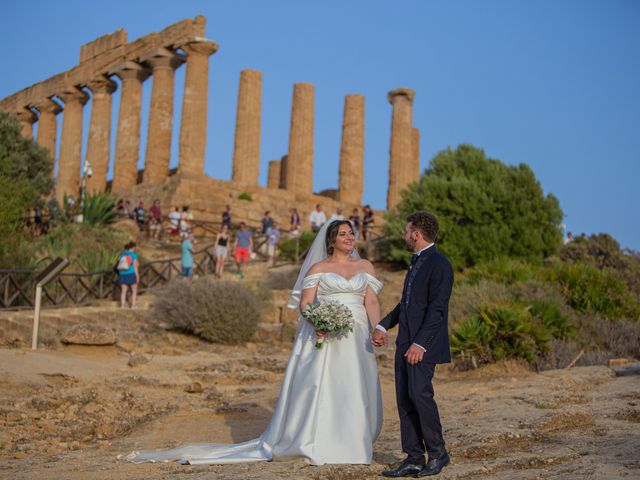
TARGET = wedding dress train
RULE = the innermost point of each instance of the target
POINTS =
(330, 405)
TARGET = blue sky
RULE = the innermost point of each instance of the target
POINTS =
(548, 83)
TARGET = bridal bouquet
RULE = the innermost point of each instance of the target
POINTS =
(329, 316)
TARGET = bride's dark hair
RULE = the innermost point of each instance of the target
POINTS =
(332, 233)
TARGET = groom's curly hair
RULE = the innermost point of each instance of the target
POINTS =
(426, 223)
(332, 233)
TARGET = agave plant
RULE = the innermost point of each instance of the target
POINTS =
(98, 209)
(96, 260)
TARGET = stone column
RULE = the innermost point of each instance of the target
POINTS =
(47, 125)
(351, 171)
(246, 147)
(193, 124)
(414, 171)
(273, 180)
(70, 159)
(299, 175)
(162, 62)
(401, 151)
(283, 171)
(99, 142)
(125, 165)
(27, 118)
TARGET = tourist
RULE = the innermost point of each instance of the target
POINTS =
(222, 250)
(155, 220)
(185, 225)
(226, 216)
(337, 216)
(242, 247)
(367, 220)
(317, 218)
(273, 239)
(266, 221)
(355, 222)
(187, 257)
(174, 222)
(119, 208)
(127, 211)
(294, 223)
(128, 274)
(140, 215)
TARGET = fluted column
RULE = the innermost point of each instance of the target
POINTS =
(47, 125)
(70, 159)
(283, 171)
(246, 148)
(193, 124)
(414, 171)
(273, 180)
(99, 142)
(401, 151)
(299, 175)
(162, 62)
(351, 170)
(27, 118)
(125, 165)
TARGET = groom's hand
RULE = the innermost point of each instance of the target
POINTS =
(379, 338)
(414, 354)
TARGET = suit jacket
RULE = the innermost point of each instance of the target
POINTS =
(423, 311)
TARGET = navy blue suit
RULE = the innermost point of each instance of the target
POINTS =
(422, 318)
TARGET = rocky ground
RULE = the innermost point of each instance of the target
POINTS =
(68, 411)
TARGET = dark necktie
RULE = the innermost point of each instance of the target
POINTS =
(414, 259)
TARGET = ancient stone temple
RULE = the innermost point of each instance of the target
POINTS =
(111, 63)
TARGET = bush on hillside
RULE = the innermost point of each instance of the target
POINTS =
(288, 247)
(98, 209)
(218, 311)
(282, 278)
(588, 289)
(486, 210)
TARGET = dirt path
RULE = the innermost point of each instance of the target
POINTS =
(67, 414)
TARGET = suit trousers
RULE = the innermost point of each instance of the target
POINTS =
(420, 427)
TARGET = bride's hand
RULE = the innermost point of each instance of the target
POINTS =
(320, 333)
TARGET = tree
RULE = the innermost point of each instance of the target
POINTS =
(25, 176)
(486, 209)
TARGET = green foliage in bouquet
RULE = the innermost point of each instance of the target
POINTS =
(486, 210)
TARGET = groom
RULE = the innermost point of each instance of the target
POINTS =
(423, 342)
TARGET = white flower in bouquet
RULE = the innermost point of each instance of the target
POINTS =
(331, 317)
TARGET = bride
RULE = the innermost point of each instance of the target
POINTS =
(330, 406)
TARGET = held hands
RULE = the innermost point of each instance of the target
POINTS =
(414, 354)
(379, 338)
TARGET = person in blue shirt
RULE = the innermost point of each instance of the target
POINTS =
(128, 274)
(187, 257)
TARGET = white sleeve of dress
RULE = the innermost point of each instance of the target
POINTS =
(310, 281)
(375, 284)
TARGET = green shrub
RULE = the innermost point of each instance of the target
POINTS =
(217, 311)
(486, 210)
(288, 247)
(503, 270)
(468, 299)
(588, 289)
(245, 196)
(98, 209)
(497, 333)
(550, 314)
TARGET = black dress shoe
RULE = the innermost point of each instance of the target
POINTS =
(434, 466)
(406, 469)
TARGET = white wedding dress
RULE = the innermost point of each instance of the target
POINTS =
(330, 405)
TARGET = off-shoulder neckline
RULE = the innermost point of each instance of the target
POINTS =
(341, 276)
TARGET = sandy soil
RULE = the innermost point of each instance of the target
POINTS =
(68, 413)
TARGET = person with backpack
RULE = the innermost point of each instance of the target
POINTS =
(128, 274)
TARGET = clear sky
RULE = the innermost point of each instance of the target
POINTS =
(554, 84)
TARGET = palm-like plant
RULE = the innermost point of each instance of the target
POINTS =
(98, 209)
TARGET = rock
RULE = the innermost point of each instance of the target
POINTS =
(89, 334)
(615, 362)
(136, 359)
(194, 387)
